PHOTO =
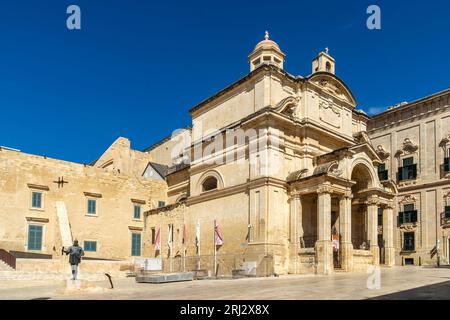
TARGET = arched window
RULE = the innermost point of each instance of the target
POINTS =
(209, 184)
(328, 66)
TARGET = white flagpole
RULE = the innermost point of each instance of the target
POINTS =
(183, 246)
(215, 249)
(197, 234)
(171, 247)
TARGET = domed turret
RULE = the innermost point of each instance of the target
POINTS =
(266, 52)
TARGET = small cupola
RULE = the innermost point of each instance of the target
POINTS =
(266, 52)
(323, 63)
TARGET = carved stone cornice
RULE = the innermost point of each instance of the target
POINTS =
(347, 195)
(407, 199)
(446, 194)
(408, 147)
(362, 137)
(288, 106)
(445, 141)
(382, 153)
(324, 189)
(409, 227)
(372, 201)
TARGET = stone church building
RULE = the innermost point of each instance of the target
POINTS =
(283, 169)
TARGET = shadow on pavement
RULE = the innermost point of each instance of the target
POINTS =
(439, 291)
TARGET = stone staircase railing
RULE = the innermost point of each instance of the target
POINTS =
(8, 258)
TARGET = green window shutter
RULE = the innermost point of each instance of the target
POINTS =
(414, 216)
(136, 244)
(380, 216)
(401, 217)
(399, 173)
(446, 164)
(414, 171)
(92, 206)
(447, 211)
(36, 200)
(408, 161)
(90, 246)
(34, 237)
(137, 212)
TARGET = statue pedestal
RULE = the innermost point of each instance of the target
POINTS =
(80, 286)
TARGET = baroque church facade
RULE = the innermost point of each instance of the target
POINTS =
(284, 169)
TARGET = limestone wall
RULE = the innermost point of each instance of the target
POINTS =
(114, 192)
(419, 130)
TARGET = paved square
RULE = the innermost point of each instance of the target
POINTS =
(396, 283)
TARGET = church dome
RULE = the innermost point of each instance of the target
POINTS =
(267, 43)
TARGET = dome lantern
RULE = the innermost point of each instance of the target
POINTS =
(266, 52)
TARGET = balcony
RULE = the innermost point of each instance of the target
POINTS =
(407, 217)
(408, 172)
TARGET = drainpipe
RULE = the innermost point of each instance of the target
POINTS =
(438, 248)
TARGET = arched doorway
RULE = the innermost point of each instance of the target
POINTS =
(363, 181)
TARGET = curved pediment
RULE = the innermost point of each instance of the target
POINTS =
(288, 106)
(334, 86)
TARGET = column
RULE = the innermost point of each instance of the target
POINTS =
(345, 216)
(324, 253)
(388, 235)
(372, 229)
(295, 232)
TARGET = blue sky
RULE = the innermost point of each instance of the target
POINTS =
(136, 67)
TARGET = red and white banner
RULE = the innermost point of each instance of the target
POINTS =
(184, 241)
(170, 238)
(158, 240)
(197, 235)
(217, 234)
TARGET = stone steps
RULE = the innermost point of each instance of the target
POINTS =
(5, 267)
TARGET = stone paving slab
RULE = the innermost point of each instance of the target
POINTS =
(164, 278)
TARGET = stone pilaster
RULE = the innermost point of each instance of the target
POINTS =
(324, 253)
(372, 229)
(295, 232)
(345, 216)
(388, 236)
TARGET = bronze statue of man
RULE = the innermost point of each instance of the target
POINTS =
(75, 253)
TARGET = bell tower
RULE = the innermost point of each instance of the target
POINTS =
(323, 63)
(266, 52)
